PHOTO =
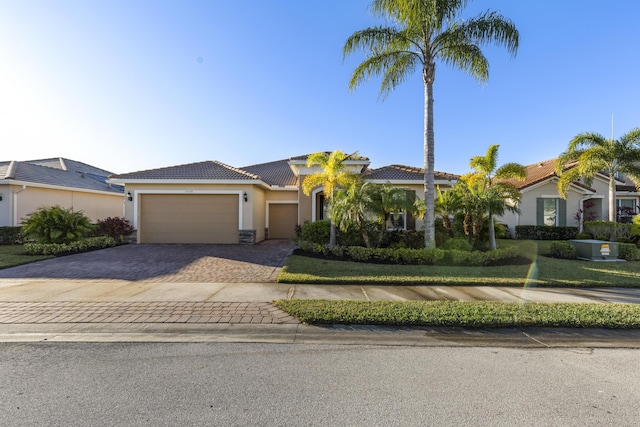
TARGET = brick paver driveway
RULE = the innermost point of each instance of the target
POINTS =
(166, 263)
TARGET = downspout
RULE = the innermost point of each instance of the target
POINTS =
(15, 205)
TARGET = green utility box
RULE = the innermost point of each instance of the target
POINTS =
(596, 250)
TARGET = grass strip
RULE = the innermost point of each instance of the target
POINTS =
(481, 314)
(13, 255)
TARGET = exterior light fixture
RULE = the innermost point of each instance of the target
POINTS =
(129, 196)
(245, 196)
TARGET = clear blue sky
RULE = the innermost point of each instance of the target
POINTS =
(131, 85)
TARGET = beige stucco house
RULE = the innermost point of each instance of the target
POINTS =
(27, 185)
(541, 204)
(211, 202)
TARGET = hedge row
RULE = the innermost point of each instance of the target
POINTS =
(545, 232)
(503, 256)
(60, 249)
(10, 235)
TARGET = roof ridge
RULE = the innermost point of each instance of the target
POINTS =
(11, 170)
(254, 176)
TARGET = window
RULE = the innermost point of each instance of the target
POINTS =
(626, 208)
(551, 211)
(397, 221)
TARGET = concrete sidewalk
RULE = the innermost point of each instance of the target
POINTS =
(140, 311)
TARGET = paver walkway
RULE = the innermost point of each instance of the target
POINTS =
(143, 312)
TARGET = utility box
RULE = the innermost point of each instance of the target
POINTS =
(596, 250)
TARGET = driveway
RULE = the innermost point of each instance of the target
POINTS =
(258, 263)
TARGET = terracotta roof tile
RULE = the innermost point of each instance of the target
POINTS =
(538, 172)
(276, 173)
(404, 173)
(213, 170)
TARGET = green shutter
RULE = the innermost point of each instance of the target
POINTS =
(562, 213)
(539, 211)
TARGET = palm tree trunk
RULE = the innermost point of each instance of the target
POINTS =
(332, 234)
(492, 233)
(429, 179)
(612, 203)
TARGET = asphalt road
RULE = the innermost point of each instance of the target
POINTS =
(142, 384)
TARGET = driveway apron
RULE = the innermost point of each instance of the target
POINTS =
(59, 290)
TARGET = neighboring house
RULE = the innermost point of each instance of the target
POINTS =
(27, 185)
(211, 202)
(542, 205)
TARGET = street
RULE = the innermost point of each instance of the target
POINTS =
(169, 384)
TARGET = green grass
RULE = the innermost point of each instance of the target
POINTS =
(542, 271)
(464, 314)
(12, 255)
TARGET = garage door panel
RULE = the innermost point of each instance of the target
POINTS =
(189, 218)
(283, 218)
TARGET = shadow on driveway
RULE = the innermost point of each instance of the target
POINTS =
(165, 263)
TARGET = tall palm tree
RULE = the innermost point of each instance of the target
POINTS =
(493, 177)
(421, 33)
(593, 154)
(332, 176)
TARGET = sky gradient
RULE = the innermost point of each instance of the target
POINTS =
(133, 85)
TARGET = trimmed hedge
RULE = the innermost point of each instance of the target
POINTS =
(406, 256)
(545, 232)
(628, 251)
(563, 250)
(61, 249)
(10, 235)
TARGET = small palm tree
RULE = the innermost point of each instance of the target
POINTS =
(386, 200)
(351, 206)
(423, 32)
(333, 176)
(593, 154)
(448, 203)
(55, 224)
(494, 178)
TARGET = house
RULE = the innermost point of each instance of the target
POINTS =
(212, 202)
(27, 185)
(541, 204)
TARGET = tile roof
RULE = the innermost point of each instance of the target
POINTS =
(276, 173)
(59, 172)
(404, 173)
(349, 157)
(208, 170)
(540, 171)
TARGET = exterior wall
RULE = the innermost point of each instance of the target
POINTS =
(528, 206)
(23, 202)
(5, 205)
(258, 212)
(304, 205)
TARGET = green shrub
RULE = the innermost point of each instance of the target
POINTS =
(10, 235)
(458, 243)
(545, 232)
(413, 239)
(59, 249)
(584, 236)
(55, 224)
(313, 248)
(602, 230)
(563, 250)
(316, 232)
(628, 251)
(115, 227)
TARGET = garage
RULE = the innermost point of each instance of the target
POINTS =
(188, 218)
(283, 218)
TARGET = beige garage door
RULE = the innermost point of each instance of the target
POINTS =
(189, 218)
(283, 219)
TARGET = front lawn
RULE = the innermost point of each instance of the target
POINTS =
(463, 314)
(12, 255)
(542, 271)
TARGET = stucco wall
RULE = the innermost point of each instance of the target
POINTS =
(95, 206)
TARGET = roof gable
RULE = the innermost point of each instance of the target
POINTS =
(207, 170)
(58, 172)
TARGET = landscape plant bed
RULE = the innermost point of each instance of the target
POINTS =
(463, 314)
(540, 270)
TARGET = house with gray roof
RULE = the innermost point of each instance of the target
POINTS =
(212, 202)
(26, 186)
